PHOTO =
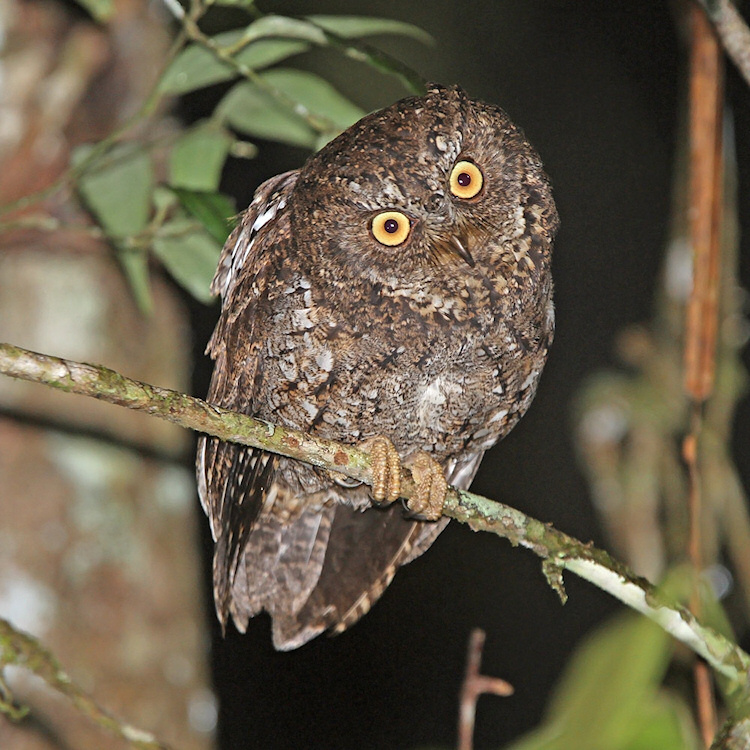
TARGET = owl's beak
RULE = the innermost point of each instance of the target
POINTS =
(460, 248)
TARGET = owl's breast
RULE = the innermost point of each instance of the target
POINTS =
(432, 375)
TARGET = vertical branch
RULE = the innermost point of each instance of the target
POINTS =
(706, 174)
(475, 683)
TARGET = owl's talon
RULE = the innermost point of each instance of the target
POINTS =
(386, 469)
(431, 487)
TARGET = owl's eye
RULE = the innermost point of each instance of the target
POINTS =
(466, 180)
(391, 228)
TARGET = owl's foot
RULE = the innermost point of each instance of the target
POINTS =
(431, 485)
(386, 469)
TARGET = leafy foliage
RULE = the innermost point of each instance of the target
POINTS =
(610, 697)
(184, 222)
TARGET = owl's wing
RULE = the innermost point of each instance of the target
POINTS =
(233, 480)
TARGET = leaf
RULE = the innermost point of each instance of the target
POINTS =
(135, 265)
(196, 66)
(256, 111)
(271, 39)
(214, 211)
(118, 191)
(190, 255)
(250, 110)
(315, 94)
(665, 724)
(604, 686)
(235, 3)
(285, 27)
(164, 199)
(357, 26)
(101, 10)
(610, 695)
(196, 160)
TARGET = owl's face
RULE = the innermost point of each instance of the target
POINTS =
(426, 190)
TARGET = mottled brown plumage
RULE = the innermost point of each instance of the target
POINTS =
(436, 343)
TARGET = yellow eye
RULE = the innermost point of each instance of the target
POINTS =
(466, 180)
(391, 228)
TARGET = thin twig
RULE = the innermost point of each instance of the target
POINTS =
(558, 551)
(706, 177)
(476, 683)
(20, 649)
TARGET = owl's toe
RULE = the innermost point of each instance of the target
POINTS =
(386, 469)
(431, 487)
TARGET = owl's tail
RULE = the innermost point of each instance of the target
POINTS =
(325, 570)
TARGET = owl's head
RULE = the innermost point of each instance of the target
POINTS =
(431, 188)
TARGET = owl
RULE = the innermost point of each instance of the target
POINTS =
(395, 291)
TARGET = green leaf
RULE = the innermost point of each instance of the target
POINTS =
(101, 10)
(604, 686)
(190, 255)
(284, 27)
(665, 724)
(196, 160)
(135, 265)
(269, 40)
(214, 210)
(253, 110)
(118, 191)
(235, 3)
(196, 66)
(315, 94)
(610, 695)
(357, 26)
(250, 110)
(164, 199)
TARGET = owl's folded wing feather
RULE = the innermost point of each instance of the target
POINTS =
(233, 480)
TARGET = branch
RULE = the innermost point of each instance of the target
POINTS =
(475, 684)
(19, 649)
(732, 31)
(558, 551)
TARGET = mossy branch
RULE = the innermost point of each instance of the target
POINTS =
(558, 551)
(20, 649)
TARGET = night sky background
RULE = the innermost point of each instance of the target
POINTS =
(597, 88)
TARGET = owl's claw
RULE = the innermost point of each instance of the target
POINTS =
(386, 469)
(431, 487)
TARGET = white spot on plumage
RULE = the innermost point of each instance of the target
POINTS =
(434, 398)
(498, 415)
(324, 360)
(311, 409)
(531, 378)
(301, 319)
(265, 217)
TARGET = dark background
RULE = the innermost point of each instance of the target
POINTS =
(597, 87)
